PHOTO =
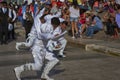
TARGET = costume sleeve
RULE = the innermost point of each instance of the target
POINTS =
(46, 36)
(31, 37)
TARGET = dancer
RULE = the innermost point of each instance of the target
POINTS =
(59, 44)
(39, 52)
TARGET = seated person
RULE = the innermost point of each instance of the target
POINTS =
(96, 25)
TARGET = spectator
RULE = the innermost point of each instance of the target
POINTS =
(0, 23)
(82, 21)
(54, 9)
(118, 16)
(19, 14)
(65, 14)
(96, 25)
(96, 6)
(53, 2)
(109, 21)
(28, 18)
(16, 6)
(12, 14)
(23, 11)
(74, 16)
(4, 23)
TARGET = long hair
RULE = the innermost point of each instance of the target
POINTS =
(75, 4)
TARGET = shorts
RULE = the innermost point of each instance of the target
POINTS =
(74, 19)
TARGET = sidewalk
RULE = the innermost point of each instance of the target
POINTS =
(107, 47)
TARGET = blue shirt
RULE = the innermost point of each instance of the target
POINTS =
(117, 19)
(24, 9)
(99, 23)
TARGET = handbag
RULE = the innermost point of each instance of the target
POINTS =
(10, 27)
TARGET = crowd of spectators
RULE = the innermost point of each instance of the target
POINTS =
(83, 16)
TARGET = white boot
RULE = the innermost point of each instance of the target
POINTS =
(47, 69)
(46, 77)
(18, 71)
(18, 44)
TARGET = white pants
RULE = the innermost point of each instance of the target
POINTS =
(52, 44)
(63, 45)
(39, 54)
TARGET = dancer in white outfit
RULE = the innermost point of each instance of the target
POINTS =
(39, 51)
(59, 44)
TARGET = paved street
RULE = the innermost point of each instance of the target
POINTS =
(78, 65)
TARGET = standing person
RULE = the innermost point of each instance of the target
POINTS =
(74, 16)
(39, 51)
(4, 23)
(12, 20)
(24, 5)
(16, 6)
(65, 12)
(0, 22)
(28, 20)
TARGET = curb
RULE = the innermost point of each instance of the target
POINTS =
(94, 47)
(104, 49)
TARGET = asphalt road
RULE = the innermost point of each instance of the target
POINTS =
(78, 65)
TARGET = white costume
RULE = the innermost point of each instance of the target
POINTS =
(50, 16)
(58, 44)
(39, 53)
(61, 43)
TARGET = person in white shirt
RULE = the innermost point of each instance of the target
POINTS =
(74, 16)
(36, 41)
(12, 16)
